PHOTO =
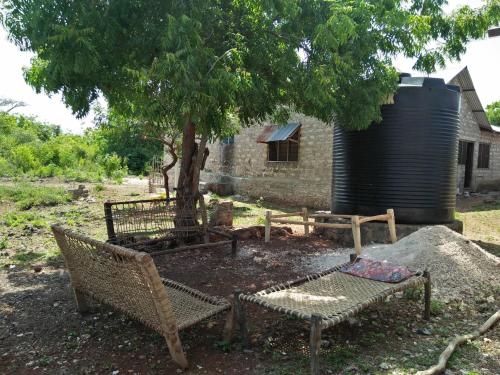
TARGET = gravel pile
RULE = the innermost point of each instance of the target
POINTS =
(459, 268)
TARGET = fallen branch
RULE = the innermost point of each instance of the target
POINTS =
(457, 341)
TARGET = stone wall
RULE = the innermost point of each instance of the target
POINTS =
(304, 182)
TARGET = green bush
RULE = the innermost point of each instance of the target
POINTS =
(31, 149)
(22, 219)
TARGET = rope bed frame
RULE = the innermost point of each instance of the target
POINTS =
(129, 281)
(151, 224)
(355, 223)
(324, 299)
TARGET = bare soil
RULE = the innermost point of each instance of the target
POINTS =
(41, 333)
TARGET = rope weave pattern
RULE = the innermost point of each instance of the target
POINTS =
(128, 281)
(153, 218)
(332, 295)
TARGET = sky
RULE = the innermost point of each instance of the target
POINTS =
(482, 58)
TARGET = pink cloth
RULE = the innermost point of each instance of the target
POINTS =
(378, 271)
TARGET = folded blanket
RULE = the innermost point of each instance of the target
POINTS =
(378, 271)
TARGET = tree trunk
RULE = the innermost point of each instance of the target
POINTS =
(192, 161)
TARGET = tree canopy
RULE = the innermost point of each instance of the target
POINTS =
(493, 113)
(204, 60)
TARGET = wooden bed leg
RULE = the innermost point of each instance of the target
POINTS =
(234, 246)
(305, 217)
(315, 344)
(175, 349)
(229, 325)
(391, 222)
(267, 234)
(356, 234)
(427, 295)
(81, 301)
(240, 317)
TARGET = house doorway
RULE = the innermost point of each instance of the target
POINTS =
(469, 165)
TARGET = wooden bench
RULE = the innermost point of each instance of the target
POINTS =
(324, 299)
(155, 226)
(128, 281)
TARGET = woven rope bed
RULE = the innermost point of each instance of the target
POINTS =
(129, 281)
(157, 227)
(325, 299)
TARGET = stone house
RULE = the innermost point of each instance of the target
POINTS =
(479, 141)
(293, 164)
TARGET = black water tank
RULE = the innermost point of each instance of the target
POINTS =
(407, 162)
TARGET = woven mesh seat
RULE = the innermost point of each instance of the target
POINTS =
(190, 306)
(128, 281)
(325, 299)
(333, 297)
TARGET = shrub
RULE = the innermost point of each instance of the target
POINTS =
(22, 219)
(28, 195)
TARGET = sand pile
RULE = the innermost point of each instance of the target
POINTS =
(459, 268)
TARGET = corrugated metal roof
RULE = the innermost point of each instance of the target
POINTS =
(275, 133)
(469, 93)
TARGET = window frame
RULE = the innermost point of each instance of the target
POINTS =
(294, 138)
(483, 157)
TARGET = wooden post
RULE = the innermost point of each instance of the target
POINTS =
(315, 344)
(267, 236)
(427, 295)
(229, 324)
(108, 215)
(234, 245)
(356, 234)
(240, 318)
(391, 222)
(204, 218)
(305, 216)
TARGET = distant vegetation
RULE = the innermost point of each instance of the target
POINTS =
(493, 113)
(27, 195)
(29, 148)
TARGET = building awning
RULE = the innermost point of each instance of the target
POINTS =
(274, 133)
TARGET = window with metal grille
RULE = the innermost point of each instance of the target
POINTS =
(483, 157)
(284, 150)
(462, 152)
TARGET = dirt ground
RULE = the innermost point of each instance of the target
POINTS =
(41, 332)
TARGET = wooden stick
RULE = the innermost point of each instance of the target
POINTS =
(267, 235)
(312, 223)
(190, 247)
(391, 222)
(356, 234)
(289, 214)
(366, 219)
(457, 341)
(315, 344)
(326, 216)
(306, 219)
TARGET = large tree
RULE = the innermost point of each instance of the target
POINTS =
(192, 64)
